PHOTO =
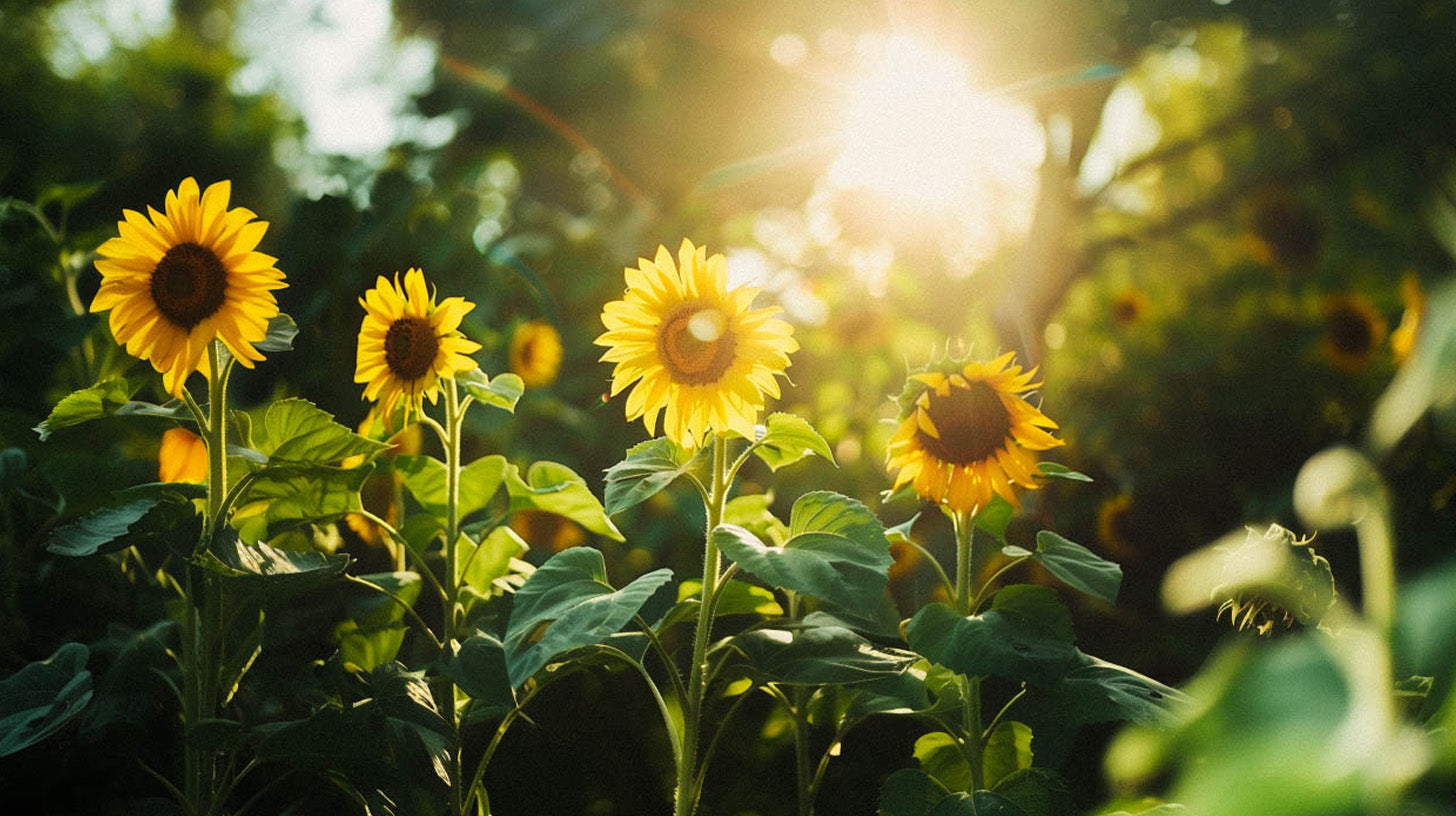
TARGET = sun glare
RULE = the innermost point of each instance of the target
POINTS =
(918, 132)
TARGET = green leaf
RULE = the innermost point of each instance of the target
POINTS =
(556, 488)
(814, 655)
(1037, 791)
(87, 404)
(903, 693)
(836, 551)
(648, 468)
(787, 439)
(1078, 566)
(281, 331)
(735, 598)
(995, 517)
(487, 568)
(910, 792)
(752, 513)
(567, 603)
(479, 669)
(286, 496)
(425, 477)
(503, 392)
(1008, 750)
(940, 756)
(1026, 635)
(43, 696)
(101, 531)
(240, 658)
(376, 627)
(980, 803)
(266, 569)
(67, 195)
(295, 430)
(1053, 470)
(1099, 691)
(136, 683)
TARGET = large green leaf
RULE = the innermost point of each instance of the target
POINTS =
(787, 439)
(503, 391)
(567, 603)
(106, 398)
(940, 756)
(375, 628)
(1037, 791)
(1026, 635)
(100, 531)
(260, 567)
(813, 655)
(425, 479)
(734, 598)
(648, 468)
(295, 430)
(555, 488)
(1007, 750)
(753, 513)
(1098, 691)
(491, 567)
(910, 792)
(43, 696)
(1078, 566)
(478, 667)
(836, 551)
(285, 496)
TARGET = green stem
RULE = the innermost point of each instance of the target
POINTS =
(453, 422)
(685, 801)
(800, 696)
(969, 560)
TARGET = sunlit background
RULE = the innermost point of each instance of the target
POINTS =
(1211, 224)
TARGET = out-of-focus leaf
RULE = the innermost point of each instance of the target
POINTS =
(788, 438)
(43, 696)
(567, 603)
(1026, 635)
(1425, 381)
(1054, 470)
(502, 391)
(648, 468)
(555, 488)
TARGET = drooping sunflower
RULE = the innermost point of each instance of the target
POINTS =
(535, 353)
(967, 433)
(179, 278)
(408, 343)
(700, 356)
(1353, 331)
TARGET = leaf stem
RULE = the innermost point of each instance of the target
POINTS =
(409, 610)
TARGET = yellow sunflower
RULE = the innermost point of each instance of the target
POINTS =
(407, 342)
(967, 433)
(1403, 339)
(699, 355)
(182, 277)
(535, 353)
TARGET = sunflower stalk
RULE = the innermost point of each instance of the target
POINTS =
(800, 696)
(687, 790)
(970, 560)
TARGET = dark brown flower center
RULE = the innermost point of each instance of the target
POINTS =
(1350, 331)
(410, 346)
(695, 345)
(972, 421)
(189, 284)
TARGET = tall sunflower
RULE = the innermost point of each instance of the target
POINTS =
(408, 343)
(967, 433)
(176, 280)
(698, 354)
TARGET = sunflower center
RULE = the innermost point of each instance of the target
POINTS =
(410, 347)
(189, 284)
(695, 345)
(1350, 331)
(972, 421)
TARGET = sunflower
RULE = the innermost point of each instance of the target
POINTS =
(182, 457)
(1114, 523)
(1129, 306)
(1353, 330)
(535, 353)
(179, 279)
(1403, 339)
(699, 355)
(407, 342)
(967, 433)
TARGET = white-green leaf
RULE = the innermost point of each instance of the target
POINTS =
(503, 391)
(787, 439)
(1054, 470)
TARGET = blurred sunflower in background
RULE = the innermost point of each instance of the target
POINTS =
(1129, 306)
(535, 353)
(408, 343)
(1353, 331)
(182, 457)
(546, 530)
(176, 280)
(1403, 339)
(698, 353)
(967, 433)
(1114, 519)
